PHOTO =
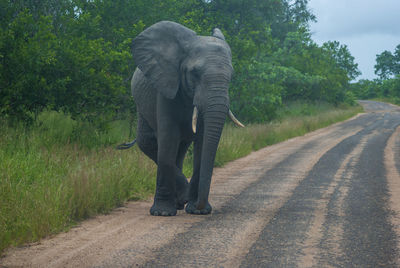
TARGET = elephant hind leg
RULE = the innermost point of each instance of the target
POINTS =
(146, 139)
(182, 184)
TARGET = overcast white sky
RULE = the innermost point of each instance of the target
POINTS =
(367, 27)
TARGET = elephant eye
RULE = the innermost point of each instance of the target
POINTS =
(195, 72)
(190, 79)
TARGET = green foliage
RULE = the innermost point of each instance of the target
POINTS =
(388, 86)
(262, 97)
(365, 89)
(27, 56)
(388, 64)
(67, 67)
(343, 58)
(74, 56)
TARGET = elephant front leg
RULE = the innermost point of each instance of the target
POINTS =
(165, 197)
(192, 205)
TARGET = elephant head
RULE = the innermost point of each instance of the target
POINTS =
(197, 69)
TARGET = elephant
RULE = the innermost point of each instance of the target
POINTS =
(180, 88)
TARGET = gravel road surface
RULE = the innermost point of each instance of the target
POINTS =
(330, 198)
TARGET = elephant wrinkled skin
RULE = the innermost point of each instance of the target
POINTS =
(181, 91)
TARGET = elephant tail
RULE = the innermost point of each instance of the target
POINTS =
(127, 145)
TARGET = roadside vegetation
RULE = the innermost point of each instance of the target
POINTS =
(73, 56)
(386, 87)
(58, 172)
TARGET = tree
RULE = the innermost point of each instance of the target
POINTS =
(61, 62)
(74, 55)
(388, 64)
(343, 58)
(27, 56)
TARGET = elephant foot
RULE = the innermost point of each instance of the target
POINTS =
(163, 208)
(191, 208)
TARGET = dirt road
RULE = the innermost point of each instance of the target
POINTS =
(327, 199)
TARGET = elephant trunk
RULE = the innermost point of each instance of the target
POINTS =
(214, 119)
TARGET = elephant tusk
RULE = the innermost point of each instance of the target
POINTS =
(233, 118)
(194, 119)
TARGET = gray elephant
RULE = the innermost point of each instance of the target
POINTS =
(181, 91)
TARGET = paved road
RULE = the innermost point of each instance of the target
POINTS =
(328, 199)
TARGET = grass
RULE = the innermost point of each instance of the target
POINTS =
(48, 182)
(392, 100)
(60, 171)
(295, 119)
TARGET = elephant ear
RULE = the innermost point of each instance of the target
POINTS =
(158, 51)
(218, 34)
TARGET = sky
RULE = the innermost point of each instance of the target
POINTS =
(367, 27)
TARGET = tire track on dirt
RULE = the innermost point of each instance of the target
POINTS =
(299, 227)
(317, 239)
(281, 243)
(370, 239)
(225, 238)
(392, 152)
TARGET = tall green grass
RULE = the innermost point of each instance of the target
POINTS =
(294, 120)
(61, 171)
(392, 100)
